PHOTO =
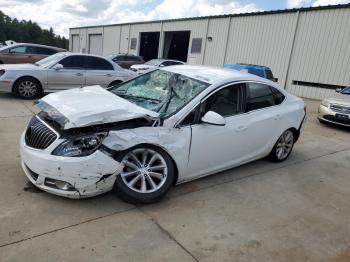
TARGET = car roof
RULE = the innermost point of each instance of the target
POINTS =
(31, 44)
(209, 74)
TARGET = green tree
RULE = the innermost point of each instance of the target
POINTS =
(28, 32)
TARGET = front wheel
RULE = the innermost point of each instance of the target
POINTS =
(147, 176)
(283, 147)
(27, 88)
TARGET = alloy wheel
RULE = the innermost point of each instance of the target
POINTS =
(145, 170)
(27, 89)
(285, 145)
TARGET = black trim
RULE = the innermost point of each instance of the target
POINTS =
(318, 85)
(280, 11)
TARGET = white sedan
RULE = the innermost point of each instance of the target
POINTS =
(58, 72)
(163, 128)
(154, 64)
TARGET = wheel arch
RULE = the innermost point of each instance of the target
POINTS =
(30, 76)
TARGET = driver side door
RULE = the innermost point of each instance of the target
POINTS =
(215, 148)
(72, 74)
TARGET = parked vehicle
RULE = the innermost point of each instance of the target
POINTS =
(153, 64)
(126, 60)
(58, 72)
(26, 53)
(262, 71)
(162, 128)
(336, 110)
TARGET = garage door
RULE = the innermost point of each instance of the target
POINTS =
(75, 44)
(95, 44)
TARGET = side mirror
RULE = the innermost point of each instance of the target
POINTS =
(213, 118)
(12, 52)
(338, 90)
(58, 67)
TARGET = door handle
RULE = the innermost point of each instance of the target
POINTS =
(108, 75)
(241, 128)
(79, 74)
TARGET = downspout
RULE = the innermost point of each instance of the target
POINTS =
(227, 39)
(292, 49)
(205, 41)
(161, 41)
(120, 37)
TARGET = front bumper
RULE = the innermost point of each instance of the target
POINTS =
(90, 175)
(327, 115)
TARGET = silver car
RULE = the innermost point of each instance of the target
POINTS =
(336, 110)
(58, 72)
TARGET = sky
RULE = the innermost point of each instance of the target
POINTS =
(63, 14)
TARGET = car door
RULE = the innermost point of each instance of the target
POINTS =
(213, 147)
(72, 74)
(99, 71)
(263, 118)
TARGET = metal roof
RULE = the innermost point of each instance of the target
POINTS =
(280, 11)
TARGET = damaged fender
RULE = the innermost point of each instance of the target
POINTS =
(175, 141)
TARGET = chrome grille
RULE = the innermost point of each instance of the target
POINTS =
(340, 108)
(38, 135)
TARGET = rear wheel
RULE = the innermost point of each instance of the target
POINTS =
(283, 147)
(147, 176)
(27, 88)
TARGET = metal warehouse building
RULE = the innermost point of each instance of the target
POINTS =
(308, 49)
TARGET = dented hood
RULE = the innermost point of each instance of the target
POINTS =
(90, 105)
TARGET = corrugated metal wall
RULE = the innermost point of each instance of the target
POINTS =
(321, 52)
(307, 46)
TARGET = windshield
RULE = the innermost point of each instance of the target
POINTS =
(50, 60)
(153, 62)
(346, 91)
(160, 91)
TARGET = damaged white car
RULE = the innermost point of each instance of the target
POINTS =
(160, 129)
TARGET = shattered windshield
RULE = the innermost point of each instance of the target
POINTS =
(160, 91)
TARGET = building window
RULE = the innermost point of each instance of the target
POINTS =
(196, 45)
(133, 43)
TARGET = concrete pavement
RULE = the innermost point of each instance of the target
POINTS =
(293, 211)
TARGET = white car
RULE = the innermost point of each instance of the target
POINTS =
(160, 129)
(153, 64)
(58, 72)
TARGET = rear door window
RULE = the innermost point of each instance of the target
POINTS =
(259, 96)
(96, 63)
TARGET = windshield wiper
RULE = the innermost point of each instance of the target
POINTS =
(141, 97)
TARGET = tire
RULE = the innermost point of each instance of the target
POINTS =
(283, 147)
(137, 183)
(116, 82)
(27, 88)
